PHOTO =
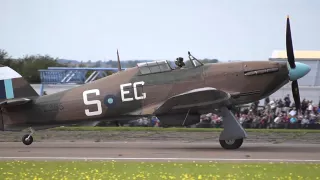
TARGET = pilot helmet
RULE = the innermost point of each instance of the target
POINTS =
(180, 59)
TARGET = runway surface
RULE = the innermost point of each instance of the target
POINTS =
(158, 151)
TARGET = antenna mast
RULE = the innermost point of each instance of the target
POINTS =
(119, 65)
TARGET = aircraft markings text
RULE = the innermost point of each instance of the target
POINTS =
(136, 97)
(91, 102)
(53, 107)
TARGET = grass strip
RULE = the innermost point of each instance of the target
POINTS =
(90, 128)
(155, 170)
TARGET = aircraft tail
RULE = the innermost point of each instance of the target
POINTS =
(13, 85)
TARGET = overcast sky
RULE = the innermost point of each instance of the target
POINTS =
(157, 29)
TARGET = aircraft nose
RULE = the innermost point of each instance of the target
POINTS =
(298, 72)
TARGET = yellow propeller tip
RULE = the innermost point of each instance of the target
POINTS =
(287, 16)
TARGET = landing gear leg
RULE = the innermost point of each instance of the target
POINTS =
(28, 139)
(233, 134)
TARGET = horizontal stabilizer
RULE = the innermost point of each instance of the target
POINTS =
(14, 102)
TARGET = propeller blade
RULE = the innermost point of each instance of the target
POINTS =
(295, 94)
(289, 45)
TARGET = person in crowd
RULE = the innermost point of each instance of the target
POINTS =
(310, 107)
(287, 102)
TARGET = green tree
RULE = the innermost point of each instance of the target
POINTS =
(5, 59)
(32, 63)
(3, 55)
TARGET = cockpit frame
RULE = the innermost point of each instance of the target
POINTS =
(194, 60)
(154, 67)
(161, 66)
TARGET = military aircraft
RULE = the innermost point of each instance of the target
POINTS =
(177, 96)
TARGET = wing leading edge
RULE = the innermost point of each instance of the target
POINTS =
(194, 100)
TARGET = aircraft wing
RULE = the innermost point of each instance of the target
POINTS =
(14, 102)
(194, 100)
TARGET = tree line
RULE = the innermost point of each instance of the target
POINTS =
(29, 65)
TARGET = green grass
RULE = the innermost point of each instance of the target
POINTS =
(165, 170)
(90, 128)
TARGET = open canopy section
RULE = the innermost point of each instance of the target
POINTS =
(192, 63)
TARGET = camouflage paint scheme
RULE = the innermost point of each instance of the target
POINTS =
(176, 96)
(218, 84)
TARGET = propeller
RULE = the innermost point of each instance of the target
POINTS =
(291, 61)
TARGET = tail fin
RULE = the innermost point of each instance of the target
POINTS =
(13, 85)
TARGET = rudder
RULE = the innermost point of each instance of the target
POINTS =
(13, 85)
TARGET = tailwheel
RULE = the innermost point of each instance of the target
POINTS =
(27, 139)
(231, 144)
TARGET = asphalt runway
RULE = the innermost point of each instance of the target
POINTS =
(159, 151)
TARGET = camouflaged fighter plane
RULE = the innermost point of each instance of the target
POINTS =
(176, 96)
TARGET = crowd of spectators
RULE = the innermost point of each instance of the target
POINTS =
(276, 113)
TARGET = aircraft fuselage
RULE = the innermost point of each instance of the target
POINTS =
(128, 93)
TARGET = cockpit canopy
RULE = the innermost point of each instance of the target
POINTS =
(164, 66)
(154, 67)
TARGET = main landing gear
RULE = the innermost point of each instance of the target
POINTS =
(233, 134)
(231, 144)
(28, 139)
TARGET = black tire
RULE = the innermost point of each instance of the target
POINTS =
(231, 144)
(25, 141)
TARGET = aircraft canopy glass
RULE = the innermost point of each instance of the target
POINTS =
(154, 67)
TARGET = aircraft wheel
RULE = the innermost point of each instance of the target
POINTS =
(231, 144)
(27, 141)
